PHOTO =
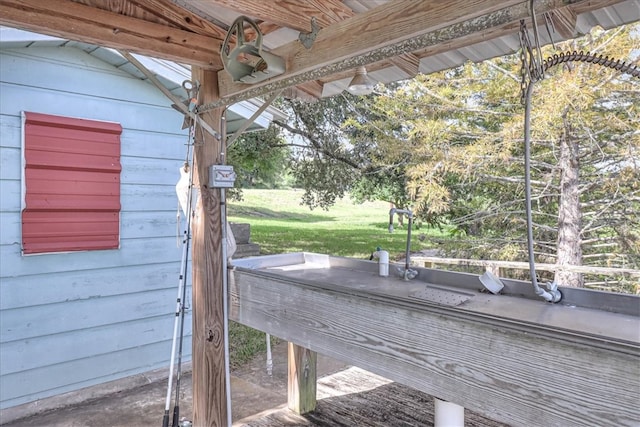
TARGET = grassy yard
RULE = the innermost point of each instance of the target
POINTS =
(279, 224)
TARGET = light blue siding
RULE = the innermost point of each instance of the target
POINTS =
(71, 320)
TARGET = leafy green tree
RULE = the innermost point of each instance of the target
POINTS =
(451, 145)
(260, 158)
(463, 130)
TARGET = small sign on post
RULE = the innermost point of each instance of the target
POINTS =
(221, 176)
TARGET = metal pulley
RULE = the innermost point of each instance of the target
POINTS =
(247, 62)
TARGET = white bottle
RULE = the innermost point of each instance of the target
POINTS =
(383, 262)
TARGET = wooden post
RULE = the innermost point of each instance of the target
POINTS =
(302, 379)
(209, 395)
(494, 268)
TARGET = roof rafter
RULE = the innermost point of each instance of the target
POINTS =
(297, 15)
(75, 21)
(397, 27)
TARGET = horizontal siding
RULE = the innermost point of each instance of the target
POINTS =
(69, 286)
(10, 158)
(36, 321)
(132, 252)
(64, 75)
(76, 374)
(142, 197)
(133, 224)
(72, 320)
(82, 106)
(46, 350)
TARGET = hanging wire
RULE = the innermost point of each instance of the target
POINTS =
(533, 69)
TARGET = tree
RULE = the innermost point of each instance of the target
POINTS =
(451, 144)
(462, 130)
(260, 158)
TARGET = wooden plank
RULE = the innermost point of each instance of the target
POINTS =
(355, 397)
(75, 21)
(297, 15)
(504, 371)
(408, 62)
(67, 287)
(209, 395)
(587, 269)
(53, 380)
(180, 17)
(132, 252)
(302, 379)
(293, 14)
(389, 30)
(564, 21)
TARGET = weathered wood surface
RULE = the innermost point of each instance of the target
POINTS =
(586, 269)
(387, 31)
(301, 379)
(355, 397)
(208, 358)
(75, 21)
(511, 373)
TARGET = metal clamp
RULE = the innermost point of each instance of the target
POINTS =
(307, 39)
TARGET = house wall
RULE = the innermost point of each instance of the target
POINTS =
(72, 320)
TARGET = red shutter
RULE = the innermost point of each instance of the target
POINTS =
(72, 174)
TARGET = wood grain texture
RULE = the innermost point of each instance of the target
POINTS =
(355, 397)
(293, 14)
(564, 21)
(384, 32)
(511, 375)
(179, 17)
(302, 379)
(74, 21)
(209, 396)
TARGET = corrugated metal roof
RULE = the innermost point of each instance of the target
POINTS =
(622, 13)
(170, 74)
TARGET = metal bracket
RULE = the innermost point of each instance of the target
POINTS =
(258, 64)
(307, 39)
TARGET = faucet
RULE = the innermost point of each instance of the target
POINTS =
(407, 273)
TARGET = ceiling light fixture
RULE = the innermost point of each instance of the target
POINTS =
(361, 84)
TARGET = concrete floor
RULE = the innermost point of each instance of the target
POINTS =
(252, 390)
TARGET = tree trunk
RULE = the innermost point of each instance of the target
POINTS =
(569, 250)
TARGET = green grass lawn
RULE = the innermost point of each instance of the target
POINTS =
(279, 224)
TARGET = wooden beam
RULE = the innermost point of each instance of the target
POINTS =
(181, 17)
(302, 379)
(407, 62)
(397, 27)
(75, 21)
(297, 15)
(208, 363)
(294, 14)
(313, 88)
(564, 21)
